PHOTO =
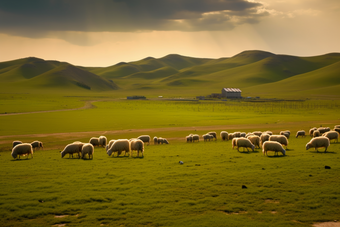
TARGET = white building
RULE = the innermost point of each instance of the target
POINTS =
(231, 93)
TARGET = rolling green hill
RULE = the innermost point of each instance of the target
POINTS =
(256, 73)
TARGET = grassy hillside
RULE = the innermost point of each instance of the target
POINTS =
(256, 73)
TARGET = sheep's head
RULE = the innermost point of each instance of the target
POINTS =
(308, 146)
(62, 154)
(283, 151)
(109, 152)
(14, 155)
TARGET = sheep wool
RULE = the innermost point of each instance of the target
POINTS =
(311, 131)
(195, 137)
(318, 142)
(213, 134)
(102, 141)
(231, 136)
(255, 140)
(72, 148)
(109, 145)
(87, 149)
(301, 133)
(94, 141)
(316, 133)
(37, 144)
(332, 135)
(258, 133)
(263, 138)
(279, 138)
(137, 145)
(188, 138)
(145, 138)
(16, 142)
(272, 146)
(224, 136)
(234, 143)
(245, 143)
(24, 149)
(155, 140)
(119, 146)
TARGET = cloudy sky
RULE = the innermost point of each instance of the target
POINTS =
(105, 32)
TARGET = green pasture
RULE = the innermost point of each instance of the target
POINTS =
(291, 190)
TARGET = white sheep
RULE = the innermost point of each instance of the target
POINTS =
(301, 133)
(279, 138)
(258, 133)
(285, 133)
(250, 134)
(162, 140)
(137, 145)
(263, 138)
(145, 138)
(316, 133)
(22, 149)
(213, 134)
(16, 142)
(311, 131)
(245, 143)
(155, 140)
(87, 149)
(269, 132)
(255, 140)
(37, 144)
(322, 130)
(318, 142)
(94, 141)
(102, 141)
(272, 146)
(195, 137)
(234, 142)
(72, 148)
(188, 138)
(231, 136)
(237, 134)
(110, 144)
(224, 135)
(331, 135)
(119, 146)
(207, 137)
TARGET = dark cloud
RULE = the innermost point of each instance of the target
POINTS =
(36, 18)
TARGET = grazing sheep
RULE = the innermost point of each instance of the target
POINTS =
(285, 133)
(87, 149)
(311, 131)
(37, 144)
(213, 134)
(316, 133)
(189, 138)
(301, 133)
(145, 138)
(322, 130)
(331, 135)
(119, 146)
(318, 142)
(279, 138)
(94, 141)
(102, 141)
(264, 137)
(224, 135)
(258, 133)
(255, 140)
(269, 132)
(245, 143)
(237, 134)
(243, 134)
(110, 144)
(207, 137)
(337, 126)
(72, 148)
(155, 140)
(195, 137)
(250, 134)
(234, 143)
(272, 146)
(231, 136)
(137, 145)
(22, 149)
(162, 140)
(16, 142)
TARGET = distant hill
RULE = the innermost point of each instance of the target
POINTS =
(255, 72)
(30, 73)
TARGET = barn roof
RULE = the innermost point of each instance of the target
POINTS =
(232, 89)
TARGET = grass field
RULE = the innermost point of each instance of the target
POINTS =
(294, 190)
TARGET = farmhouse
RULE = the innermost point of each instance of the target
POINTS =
(231, 93)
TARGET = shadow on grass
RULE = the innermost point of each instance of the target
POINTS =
(276, 156)
(323, 152)
(249, 152)
(25, 159)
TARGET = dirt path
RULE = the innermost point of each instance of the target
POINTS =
(88, 105)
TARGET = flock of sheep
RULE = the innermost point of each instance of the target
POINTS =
(321, 138)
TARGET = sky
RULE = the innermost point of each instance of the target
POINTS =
(105, 32)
